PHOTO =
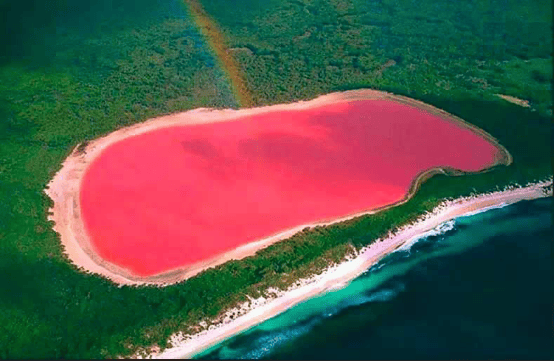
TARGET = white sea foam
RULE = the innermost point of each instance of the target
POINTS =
(440, 229)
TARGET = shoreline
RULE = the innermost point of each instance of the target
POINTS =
(64, 188)
(337, 276)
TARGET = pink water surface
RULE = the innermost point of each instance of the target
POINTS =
(175, 196)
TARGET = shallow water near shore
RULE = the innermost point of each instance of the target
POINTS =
(480, 289)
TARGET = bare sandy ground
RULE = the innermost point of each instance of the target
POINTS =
(259, 310)
(511, 99)
(64, 188)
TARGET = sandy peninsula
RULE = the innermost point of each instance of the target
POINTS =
(64, 188)
(258, 310)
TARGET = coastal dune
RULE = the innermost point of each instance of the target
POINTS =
(129, 205)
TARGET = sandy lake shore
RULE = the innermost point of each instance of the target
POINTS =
(337, 276)
(64, 188)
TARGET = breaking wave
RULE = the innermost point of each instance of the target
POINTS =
(440, 230)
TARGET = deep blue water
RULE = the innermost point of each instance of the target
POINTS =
(481, 290)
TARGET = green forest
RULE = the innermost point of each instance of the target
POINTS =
(71, 71)
(297, 49)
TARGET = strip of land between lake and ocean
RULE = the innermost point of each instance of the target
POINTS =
(256, 311)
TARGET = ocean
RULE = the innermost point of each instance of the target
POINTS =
(481, 288)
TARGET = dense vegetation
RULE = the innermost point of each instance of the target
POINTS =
(66, 77)
(293, 49)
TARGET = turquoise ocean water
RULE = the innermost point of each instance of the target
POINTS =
(481, 289)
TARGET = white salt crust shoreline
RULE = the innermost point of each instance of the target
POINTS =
(258, 310)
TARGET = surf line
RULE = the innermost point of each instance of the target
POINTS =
(215, 40)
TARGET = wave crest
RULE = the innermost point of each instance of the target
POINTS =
(441, 229)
